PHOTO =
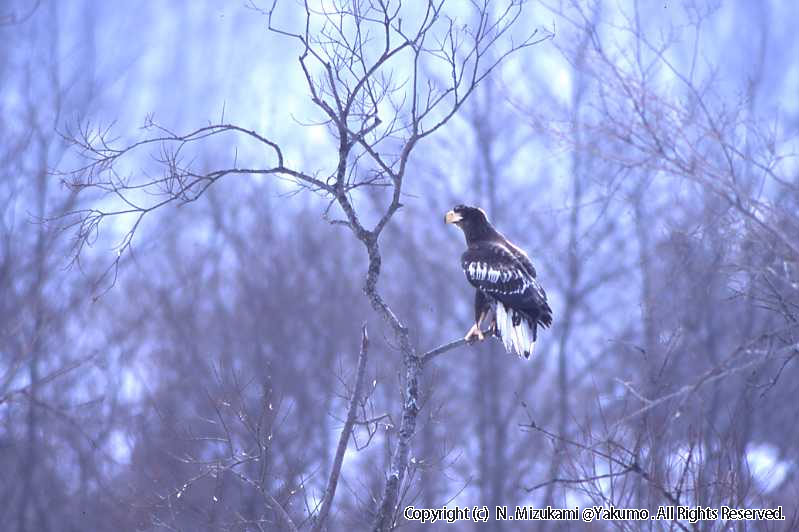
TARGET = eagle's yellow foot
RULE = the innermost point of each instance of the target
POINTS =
(473, 333)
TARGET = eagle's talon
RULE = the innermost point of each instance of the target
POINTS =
(473, 333)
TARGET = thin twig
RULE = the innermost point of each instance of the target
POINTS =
(278, 508)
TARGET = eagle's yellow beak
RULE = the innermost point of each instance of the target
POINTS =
(452, 217)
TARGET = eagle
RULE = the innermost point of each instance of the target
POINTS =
(507, 290)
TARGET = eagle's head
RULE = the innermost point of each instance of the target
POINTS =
(472, 221)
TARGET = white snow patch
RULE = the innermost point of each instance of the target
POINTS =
(765, 465)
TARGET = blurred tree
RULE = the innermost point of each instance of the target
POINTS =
(222, 384)
(55, 402)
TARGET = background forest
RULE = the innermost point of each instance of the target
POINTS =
(207, 207)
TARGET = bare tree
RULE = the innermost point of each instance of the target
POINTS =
(683, 427)
(377, 101)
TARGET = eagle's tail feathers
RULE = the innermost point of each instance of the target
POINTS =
(519, 337)
(504, 327)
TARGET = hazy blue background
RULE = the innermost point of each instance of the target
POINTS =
(643, 157)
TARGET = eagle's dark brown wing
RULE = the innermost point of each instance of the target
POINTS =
(493, 269)
(521, 256)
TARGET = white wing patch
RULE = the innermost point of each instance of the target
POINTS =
(482, 271)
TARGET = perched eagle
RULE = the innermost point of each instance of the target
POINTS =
(504, 277)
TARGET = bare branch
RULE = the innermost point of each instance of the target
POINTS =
(433, 353)
(278, 508)
(717, 373)
(346, 432)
